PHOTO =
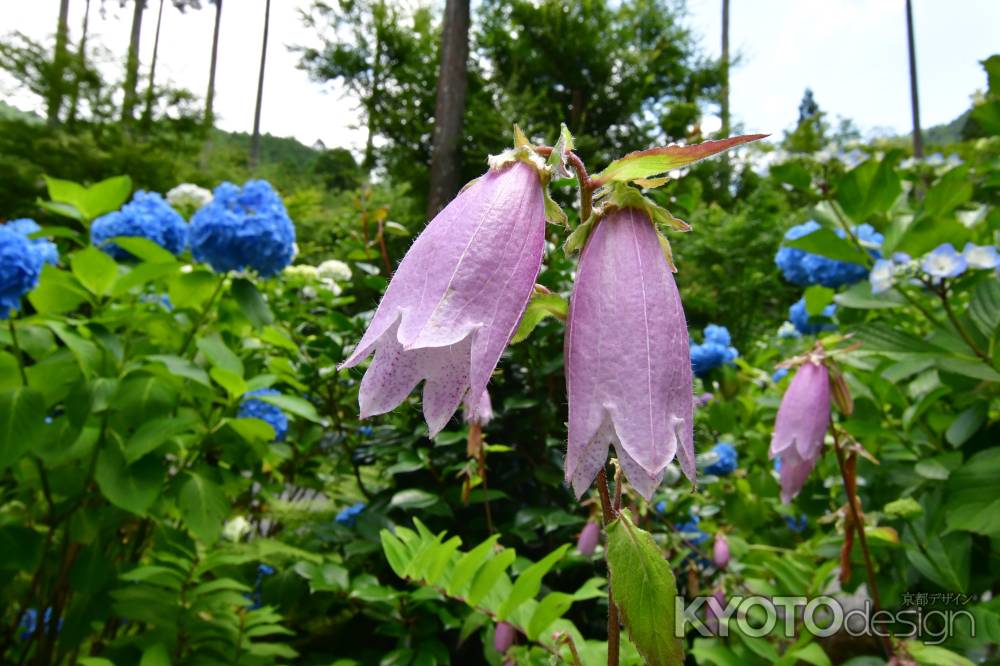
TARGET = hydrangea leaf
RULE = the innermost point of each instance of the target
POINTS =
(644, 589)
(95, 270)
(818, 297)
(22, 413)
(656, 161)
(828, 244)
(203, 507)
(869, 188)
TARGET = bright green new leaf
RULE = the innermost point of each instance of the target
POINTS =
(469, 564)
(57, 292)
(94, 269)
(293, 405)
(818, 297)
(540, 307)
(644, 590)
(487, 577)
(655, 161)
(868, 189)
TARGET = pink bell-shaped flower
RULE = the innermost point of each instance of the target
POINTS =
(801, 425)
(628, 365)
(457, 297)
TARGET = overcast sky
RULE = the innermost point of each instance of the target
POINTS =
(852, 53)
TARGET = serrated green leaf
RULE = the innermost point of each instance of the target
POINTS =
(644, 590)
(94, 269)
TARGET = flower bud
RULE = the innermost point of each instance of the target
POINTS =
(801, 426)
(503, 637)
(589, 537)
(720, 550)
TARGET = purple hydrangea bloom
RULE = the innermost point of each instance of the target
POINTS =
(800, 427)
(456, 298)
(628, 371)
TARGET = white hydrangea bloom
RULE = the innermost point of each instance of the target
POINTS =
(189, 195)
(302, 270)
(236, 529)
(333, 269)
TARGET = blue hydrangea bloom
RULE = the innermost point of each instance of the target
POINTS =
(726, 464)
(691, 531)
(716, 350)
(265, 570)
(265, 411)
(45, 248)
(660, 506)
(349, 516)
(29, 622)
(804, 268)
(797, 525)
(365, 430)
(779, 374)
(149, 216)
(20, 267)
(807, 325)
(244, 228)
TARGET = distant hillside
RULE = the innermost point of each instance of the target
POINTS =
(943, 135)
(284, 151)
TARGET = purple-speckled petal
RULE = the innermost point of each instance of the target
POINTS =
(456, 298)
(628, 367)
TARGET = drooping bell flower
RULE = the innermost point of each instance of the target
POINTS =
(801, 425)
(589, 537)
(720, 550)
(628, 369)
(457, 297)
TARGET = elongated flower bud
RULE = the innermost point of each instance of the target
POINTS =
(800, 427)
(628, 367)
(503, 637)
(589, 537)
(456, 298)
(720, 550)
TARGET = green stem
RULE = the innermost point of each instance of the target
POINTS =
(942, 294)
(201, 317)
(17, 352)
(614, 624)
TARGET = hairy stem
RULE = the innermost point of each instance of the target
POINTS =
(850, 490)
(614, 625)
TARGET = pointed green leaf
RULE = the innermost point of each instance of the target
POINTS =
(551, 608)
(644, 590)
(203, 507)
(293, 405)
(469, 564)
(252, 302)
(529, 582)
(131, 487)
(540, 307)
(487, 577)
(655, 161)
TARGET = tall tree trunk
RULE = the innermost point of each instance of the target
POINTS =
(147, 114)
(210, 95)
(255, 139)
(368, 161)
(74, 101)
(450, 106)
(58, 66)
(724, 94)
(132, 64)
(918, 139)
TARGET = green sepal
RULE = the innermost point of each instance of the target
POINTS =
(668, 253)
(576, 240)
(539, 307)
(554, 213)
(557, 160)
